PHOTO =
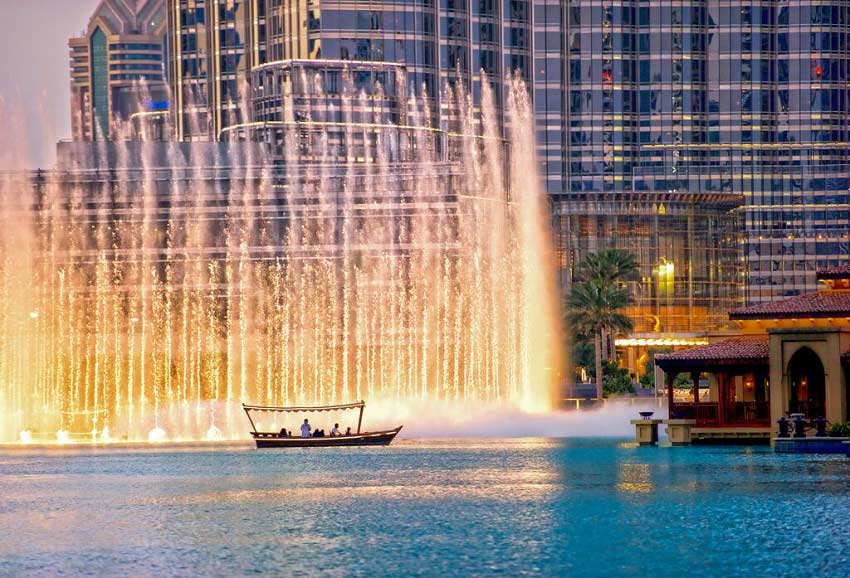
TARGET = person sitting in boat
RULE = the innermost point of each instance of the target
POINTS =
(283, 433)
(305, 429)
(335, 430)
(348, 431)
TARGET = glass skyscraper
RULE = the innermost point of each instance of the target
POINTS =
(440, 42)
(117, 69)
(667, 102)
(709, 137)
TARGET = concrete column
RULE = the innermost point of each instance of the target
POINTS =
(778, 380)
(646, 431)
(679, 431)
(830, 355)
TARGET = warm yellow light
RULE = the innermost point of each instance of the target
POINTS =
(156, 435)
(213, 434)
(660, 341)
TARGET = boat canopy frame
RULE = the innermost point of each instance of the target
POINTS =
(304, 409)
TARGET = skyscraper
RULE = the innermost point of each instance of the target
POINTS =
(668, 128)
(117, 67)
(217, 43)
(214, 46)
(684, 103)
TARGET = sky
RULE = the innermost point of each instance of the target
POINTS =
(34, 76)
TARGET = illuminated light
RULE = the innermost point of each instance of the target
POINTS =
(359, 312)
(62, 436)
(156, 435)
(104, 435)
(658, 341)
(213, 434)
(33, 314)
(26, 437)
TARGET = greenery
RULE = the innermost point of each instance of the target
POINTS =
(839, 429)
(596, 302)
(609, 265)
(683, 381)
(583, 356)
(647, 380)
(617, 380)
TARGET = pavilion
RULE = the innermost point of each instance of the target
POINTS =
(786, 356)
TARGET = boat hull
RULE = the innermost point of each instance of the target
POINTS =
(378, 438)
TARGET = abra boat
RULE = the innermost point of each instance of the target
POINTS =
(270, 439)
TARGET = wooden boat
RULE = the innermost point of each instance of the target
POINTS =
(267, 439)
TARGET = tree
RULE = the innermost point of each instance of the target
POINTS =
(594, 310)
(609, 266)
(583, 355)
(617, 379)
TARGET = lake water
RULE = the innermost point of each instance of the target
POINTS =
(530, 507)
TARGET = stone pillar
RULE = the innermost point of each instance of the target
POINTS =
(831, 359)
(646, 431)
(679, 431)
(779, 386)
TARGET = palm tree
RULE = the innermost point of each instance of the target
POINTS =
(594, 310)
(610, 265)
(596, 301)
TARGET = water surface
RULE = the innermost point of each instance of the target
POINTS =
(533, 507)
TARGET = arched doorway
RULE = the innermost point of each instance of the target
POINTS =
(808, 384)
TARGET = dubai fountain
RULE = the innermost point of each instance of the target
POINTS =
(145, 300)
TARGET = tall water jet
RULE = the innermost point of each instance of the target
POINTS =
(357, 245)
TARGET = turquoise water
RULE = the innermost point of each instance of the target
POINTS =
(585, 507)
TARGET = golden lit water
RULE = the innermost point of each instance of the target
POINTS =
(141, 301)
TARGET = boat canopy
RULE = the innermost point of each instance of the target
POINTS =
(304, 409)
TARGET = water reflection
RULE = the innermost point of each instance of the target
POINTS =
(445, 507)
(634, 479)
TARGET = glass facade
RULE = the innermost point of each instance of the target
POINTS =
(440, 42)
(214, 46)
(117, 69)
(654, 118)
(667, 99)
(100, 83)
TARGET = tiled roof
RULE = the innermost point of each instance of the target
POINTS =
(823, 303)
(839, 272)
(744, 348)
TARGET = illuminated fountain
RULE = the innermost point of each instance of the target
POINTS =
(139, 298)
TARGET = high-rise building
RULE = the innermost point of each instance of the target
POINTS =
(664, 127)
(217, 43)
(214, 46)
(650, 104)
(117, 69)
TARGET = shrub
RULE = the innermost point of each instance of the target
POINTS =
(839, 429)
(617, 379)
